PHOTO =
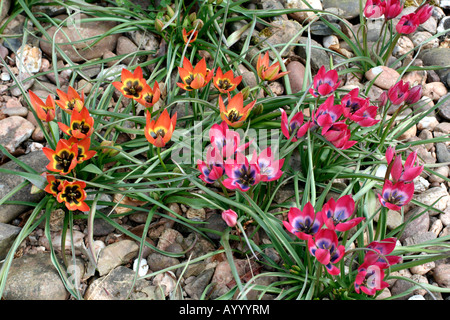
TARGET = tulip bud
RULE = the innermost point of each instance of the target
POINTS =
(198, 24)
(415, 93)
(159, 25)
(192, 16)
(35, 190)
(170, 12)
(230, 217)
(245, 93)
(258, 109)
(109, 151)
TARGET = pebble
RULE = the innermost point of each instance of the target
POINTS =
(5, 76)
(441, 275)
(16, 111)
(8, 234)
(14, 131)
(301, 16)
(434, 90)
(442, 153)
(420, 223)
(34, 277)
(116, 254)
(428, 123)
(437, 195)
(29, 59)
(387, 77)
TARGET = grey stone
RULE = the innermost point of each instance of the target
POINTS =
(34, 277)
(350, 8)
(442, 152)
(419, 238)
(157, 261)
(80, 51)
(441, 275)
(437, 57)
(420, 224)
(444, 107)
(116, 254)
(195, 288)
(216, 223)
(8, 234)
(320, 56)
(4, 8)
(36, 160)
(117, 285)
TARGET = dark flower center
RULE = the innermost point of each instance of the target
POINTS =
(224, 84)
(63, 160)
(133, 88)
(82, 126)
(234, 116)
(72, 194)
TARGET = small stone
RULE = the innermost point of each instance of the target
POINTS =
(34, 277)
(442, 153)
(299, 4)
(8, 234)
(422, 37)
(16, 111)
(436, 227)
(416, 297)
(437, 196)
(442, 171)
(169, 237)
(296, 75)
(196, 288)
(420, 184)
(125, 47)
(419, 238)
(434, 90)
(417, 221)
(423, 268)
(403, 46)
(29, 59)
(4, 76)
(25, 81)
(428, 123)
(14, 131)
(387, 77)
(441, 275)
(157, 261)
(116, 254)
(445, 217)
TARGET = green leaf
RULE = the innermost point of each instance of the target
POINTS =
(92, 168)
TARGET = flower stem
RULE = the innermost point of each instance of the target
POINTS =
(381, 226)
(391, 48)
(158, 151)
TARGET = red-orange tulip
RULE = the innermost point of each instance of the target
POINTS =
(133, 84)
(226, 82)
(159, 132)
(45, 111)
(70, 101)
(266, 72)
(63, 159)
(234, 114)
(81, 124)
(194, 78)
(73, 195)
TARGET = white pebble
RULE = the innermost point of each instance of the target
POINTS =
(143, 267)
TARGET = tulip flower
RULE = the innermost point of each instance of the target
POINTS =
(324, 82)
(234, 113)
(269, 168)
(266, 72)
(395, 196)
(241, 174)
(373, 9)
(294, 127)
(358, 109)
(423, 13)
(339, 135)
(226, 82)
(370, 280)
(54, 185)
(379, 253)
(192, 35)
(63, 159)
(399, 172)
(83, 149)
(304, 224)
(336, 214)
(73, 195)
(81, 124)
(230, 217)
(213, 168)
(415, 93)
(328, 113)
(44, 111)
(399, 92)
(150, 95)
(392, 8)
(365, 117)
(70, 101)
(159, 132)
(324, 246)
(194, 78)
(226, 141)
(407, 24)
(132, 85)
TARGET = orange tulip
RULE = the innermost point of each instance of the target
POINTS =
(45, 111)
(73, 195)
(81, 124)
(187, 35)
(83, 149)
(266, 72)
(133, 85)
(226, 82)
(54, 185)
(63, 159)
(70, 101)
(150, 95)
(234, 114)
(194, 78)
(159, 132)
